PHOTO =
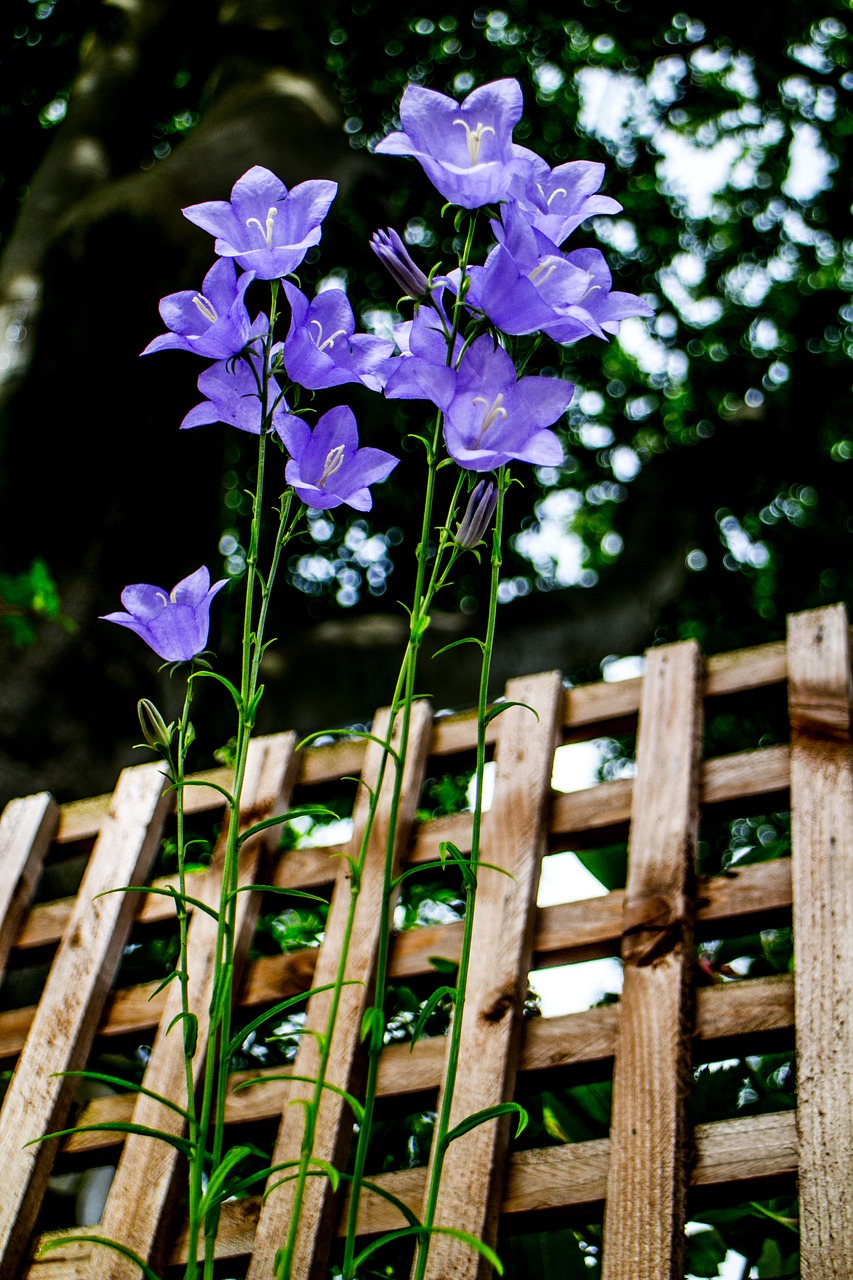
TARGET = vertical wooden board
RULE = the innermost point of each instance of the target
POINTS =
(647, 1177)
(819, 699)
(513, 838)
(334, 1124)
(26, 830)
(142, 1198)
(61, 1034)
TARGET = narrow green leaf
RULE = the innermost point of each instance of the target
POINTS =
(275, 888)
(387, 1238)
(304, 811)
(356, 737)
(212, 786)
(469, 875)
(214, 675)
(480, 1245)
(355, 1105)
(434, 1000)
(120, 1126)
(161, 986)
(354, 867)
(456, 643)
(237, 1040)
(500, 707)
(215, 1189)
(124, 1086)
(107, 1244)
(481, 1117)
(373, 1028)
(167, 891)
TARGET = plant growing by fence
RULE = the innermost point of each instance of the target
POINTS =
(475, 332)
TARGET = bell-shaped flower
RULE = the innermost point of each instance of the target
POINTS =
(399, 263)
(556, 201)
(174, 624)
(214, 323)
(321, 348)
(466, 151)
(265, 227)
(327, 468)
(232, 391)
(422, 342)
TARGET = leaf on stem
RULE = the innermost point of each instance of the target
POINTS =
(234, 1044)
(232, 689)
(126, 1086)
(481, 1117)
(456, 643)
(190, 1031)
(168, 891)
(434, 1000)
(373, 1028)
(500, 707)
(355, 1105)
(108, 1244)
(183, 1145)
(304, 811)
(355, 737)
(215, 1190)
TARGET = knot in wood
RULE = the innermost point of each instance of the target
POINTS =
(653, 928)
(500, 1006)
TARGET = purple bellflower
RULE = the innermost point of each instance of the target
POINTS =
(173, 624)
(232, 396)
(423, 346)
(556, 201)
(490, 416)
(213, 323)
(265, 227)
(466, 151)
(321, 349)
(327, 468)
(397, 260)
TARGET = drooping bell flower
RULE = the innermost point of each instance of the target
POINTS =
(321, 348)
(399, 263)
(465, 150)
(264, 227)
(327, 468)
(214, 323)
(174, 624)
(232, 391)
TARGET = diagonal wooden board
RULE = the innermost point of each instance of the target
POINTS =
(26, 830)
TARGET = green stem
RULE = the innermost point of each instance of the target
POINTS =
(442, 1126)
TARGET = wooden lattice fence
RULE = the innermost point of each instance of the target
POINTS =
(643, 1172)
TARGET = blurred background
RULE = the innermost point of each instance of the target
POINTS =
(705, 491)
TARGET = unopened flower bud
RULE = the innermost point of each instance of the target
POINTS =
(156, 732)
(395, 257)
(478, 516)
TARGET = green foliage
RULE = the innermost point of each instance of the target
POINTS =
(28, 598)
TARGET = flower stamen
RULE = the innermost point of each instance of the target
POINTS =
(329, 342)
(492, 413)
(475, 138)
(266, 231)
(558, 191)
(206, 307)
(334, 462)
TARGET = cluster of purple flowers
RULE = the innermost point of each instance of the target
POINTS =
(526, 285)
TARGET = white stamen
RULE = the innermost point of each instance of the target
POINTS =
(206, 307)
(334, 462)
(547, 266)
(475, 138)
(558, 191)
(266, 232)
(164, 598)
(492, 413)
(329, 342)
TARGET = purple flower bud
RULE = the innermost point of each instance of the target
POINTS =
(397, 260)
(478, 516)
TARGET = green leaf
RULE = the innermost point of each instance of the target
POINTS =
(222, 991)
(276, 888)
(448, 849)
(170, 977)
(500, 707)
(214, 675)
(107, 1244)
(354, 867)
(481, 1117)
(304, 811)
(215, 1190)
(211, 786)
(125, 1086)
(169, 891)
(373, 1028)
(434, 1000)
(356, 737)
(442, 965)
(190, 1031)
(357, 1108)
(456, 643)
(183, 1145)
(234, 1044)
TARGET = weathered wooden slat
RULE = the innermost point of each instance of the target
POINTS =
(143, 1194)
(819, 699)
(647, 1177)
(729, 1152)
(26, 830)
(61, 1033)
(513, 838)
(333, 1130)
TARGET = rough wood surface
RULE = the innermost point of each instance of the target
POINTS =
(26, 830)
(647, 1176)
(728, 1152)
(143, 1194)
(334, 1124)
(59, 1038)
(819, 697)
(513, 838)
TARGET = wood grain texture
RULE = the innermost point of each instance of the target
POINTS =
(144, 1193)
(26, 830)
(729, 1152)
(38, 1100)
(334, 1123)
(647, 1176)
(819, 697)
(513, 838)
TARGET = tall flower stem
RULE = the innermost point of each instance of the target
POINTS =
(442, 1127)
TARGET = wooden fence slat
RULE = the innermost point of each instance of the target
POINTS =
(513, 838)
(334, 1123)
(647, 1177)
(143, 1195)
(26, 830)
(61, 1033)
(819, 698)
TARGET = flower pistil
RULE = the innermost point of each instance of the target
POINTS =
(492, 412)
(475, 138)
(266, 232)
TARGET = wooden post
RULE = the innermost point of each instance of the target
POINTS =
(334, 1124)
(26, 830)
(819, 699)
(513, 837)
(67, 1016)
(647, 1176)
(143, 1195)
